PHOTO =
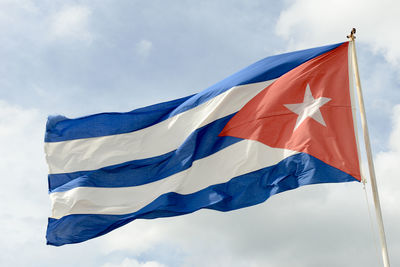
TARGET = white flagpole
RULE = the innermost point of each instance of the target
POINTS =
(375, 194)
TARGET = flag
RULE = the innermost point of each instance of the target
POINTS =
(285, 121)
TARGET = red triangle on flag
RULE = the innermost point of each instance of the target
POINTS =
(308, 110)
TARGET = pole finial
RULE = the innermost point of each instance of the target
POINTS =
(352, 34)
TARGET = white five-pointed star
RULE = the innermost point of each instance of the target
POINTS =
(309, 108)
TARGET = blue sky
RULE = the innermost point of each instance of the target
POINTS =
(81, 57)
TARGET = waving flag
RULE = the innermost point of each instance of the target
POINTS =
(283, 122)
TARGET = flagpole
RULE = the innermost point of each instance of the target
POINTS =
(364, 124)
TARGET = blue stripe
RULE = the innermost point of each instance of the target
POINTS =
(201, 143)
(242, 191)
(60, 128)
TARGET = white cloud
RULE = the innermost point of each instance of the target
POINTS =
(9, 9)
(72, 22)
(307, 22)
(387, 167)
(146, 233)
(143, 48)
(127, 262)
(24, 205)
(21, 133)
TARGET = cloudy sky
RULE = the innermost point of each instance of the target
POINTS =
(82, 57)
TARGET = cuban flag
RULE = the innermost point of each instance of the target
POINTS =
(280, 123)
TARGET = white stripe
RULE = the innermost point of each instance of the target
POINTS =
(94, 153)
(241, 158)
